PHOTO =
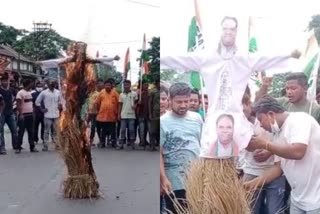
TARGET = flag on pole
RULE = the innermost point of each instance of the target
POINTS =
(312, 58)
(195, 42)
(253, 47)
(144, 57)
(126, 64)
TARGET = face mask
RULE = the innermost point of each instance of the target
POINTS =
(39, 89)
(275, 129)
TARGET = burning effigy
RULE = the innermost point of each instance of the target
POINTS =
(81, 181)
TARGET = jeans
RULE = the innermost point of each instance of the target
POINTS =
(50, 126)
(131, 125)
(143, 130)
(162, 204)
(180, 195)
(10, 120)
(38, 120)
(295, 210)
(269, 199)
(26, 124)
(107, 128)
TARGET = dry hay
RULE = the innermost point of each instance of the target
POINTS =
(213, 187)
(81, 181)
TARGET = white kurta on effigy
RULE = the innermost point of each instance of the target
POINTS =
(226, 74)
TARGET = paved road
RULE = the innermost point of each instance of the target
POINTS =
(31, 183)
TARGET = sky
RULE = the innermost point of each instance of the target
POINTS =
(108, 26)
(111, 26)
(279, 28)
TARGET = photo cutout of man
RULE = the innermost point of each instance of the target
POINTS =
(225, 145)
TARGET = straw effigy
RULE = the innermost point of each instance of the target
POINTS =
(81, 181)
(213, 187)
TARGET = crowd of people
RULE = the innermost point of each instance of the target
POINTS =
(114, 118)
(117, 118)
(268, 164)
(280, 163)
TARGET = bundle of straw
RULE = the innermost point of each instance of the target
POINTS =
(81, 181)
(213, 187)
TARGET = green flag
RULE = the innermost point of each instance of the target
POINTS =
(195, 41)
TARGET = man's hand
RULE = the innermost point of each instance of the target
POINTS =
(262, 155)
(165, 186)
(296, 54)
(256, 143)
(116, 58)
(267, 81)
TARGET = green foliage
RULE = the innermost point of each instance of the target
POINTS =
(152, 56)
(105, 72)
(278, 84)
(35, 45)
(42, 45)
(9, 35)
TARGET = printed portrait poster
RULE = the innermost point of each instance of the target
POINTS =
(225, 134)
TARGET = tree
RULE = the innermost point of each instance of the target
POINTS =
(9, 35)
(42, 45)
(153, 58)
(35, 45)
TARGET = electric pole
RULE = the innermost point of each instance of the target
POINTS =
(40, 29)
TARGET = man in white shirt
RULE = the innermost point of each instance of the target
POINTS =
(226, 73)
(25, 115)
(297, 150)
(270, 198)
(52, 106)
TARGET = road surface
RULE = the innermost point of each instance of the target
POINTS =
(30, 183)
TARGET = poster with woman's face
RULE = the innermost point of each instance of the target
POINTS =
(225, 135)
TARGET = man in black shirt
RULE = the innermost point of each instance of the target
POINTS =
(38, 114)
(7, 115)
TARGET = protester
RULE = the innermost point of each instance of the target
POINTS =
(297, 149)
(38, 114)
(7, 115)
(269, 198)
(194, 104)
(92, 112)
(180, 132)
(296, 95)
(143, 114)
(51, 108)
(154, 115)
(127, 105)
(25, 116)
(107, 105)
